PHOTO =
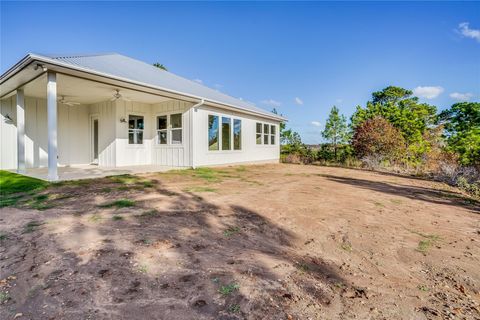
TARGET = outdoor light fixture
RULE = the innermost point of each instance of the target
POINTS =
(122, 120)
(38, 65)
(8, 119)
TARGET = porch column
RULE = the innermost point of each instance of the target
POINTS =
(20, 131)
(52, 125)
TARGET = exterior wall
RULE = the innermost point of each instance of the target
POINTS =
(172, 155)
(105, 112)
(72, 131)
(250, 152)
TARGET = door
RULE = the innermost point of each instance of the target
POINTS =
(95, 140)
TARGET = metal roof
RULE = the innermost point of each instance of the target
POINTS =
(120, 66)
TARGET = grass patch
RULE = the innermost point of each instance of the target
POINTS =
(121, 203)
(124, 179)
(10, 201)
(4, 297)
(11, 183)
(427, 242)
(3, 237)
(228, 289)
(423, 288)
(31, 226)
(241, 169)
(231, 231)
(117, 218)
(234, 308)
(303, 267)
(106, 190)
(207, 174)
(200, 189)
(143, 269)
(40, 202)
(347, 247)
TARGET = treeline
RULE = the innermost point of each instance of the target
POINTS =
(395, 132)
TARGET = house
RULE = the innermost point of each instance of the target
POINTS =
(109, 111)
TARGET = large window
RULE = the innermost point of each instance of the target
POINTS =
(266, 135)
(135, 129)
(259, 133)
(273, 131)
(213, 132)
(176, 128)
(226, 139)
(169, 129)
(237, 134)
(162, 130)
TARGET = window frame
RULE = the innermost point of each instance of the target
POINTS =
(168, 130)
(264, 135)
(220, 133)
(136, 114)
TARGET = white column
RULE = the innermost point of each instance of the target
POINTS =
(52, 125)
(20, 131)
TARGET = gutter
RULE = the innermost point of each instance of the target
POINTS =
(33, 58)
(192, 112)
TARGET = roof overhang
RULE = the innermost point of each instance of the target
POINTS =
(27, 70)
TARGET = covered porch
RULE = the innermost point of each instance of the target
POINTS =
(69, 127)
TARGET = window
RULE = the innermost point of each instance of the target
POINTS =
(226, 127)
(237, 134)
(259, 133)
(176, 128)
(169, 129)
(272, 134)
(266, 135)
(135, 129)
(162, 129)
(213, 132)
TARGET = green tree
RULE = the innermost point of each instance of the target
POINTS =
(462, 128)
(336, 129)
(403, 111)
(160, 66)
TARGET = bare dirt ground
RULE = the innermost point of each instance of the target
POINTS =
(253, 242)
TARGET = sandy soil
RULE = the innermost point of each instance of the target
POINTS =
(254, 242)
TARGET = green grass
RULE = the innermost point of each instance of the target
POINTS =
(347, 247)
(303, 267)
(124, 179)
(207, 174)
(234, 308)
(117, 218)
(31, 226)
(228, 289)
(95, 218)
(11, 183)
(425, 244)
(4, 297)
(3, 237)
(121, 203)
(200, 189)
(10, 201)
(143, 269)
(423, 288)
(231, 231)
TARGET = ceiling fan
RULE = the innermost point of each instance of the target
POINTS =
(117, 95)
(68, 103)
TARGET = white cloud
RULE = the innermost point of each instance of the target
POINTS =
(461, 96)
(465, 30)
(316, 123)
(427, 92)
(198, 80)
(271, 103)
(298, 101)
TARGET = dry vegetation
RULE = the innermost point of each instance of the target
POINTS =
(255, 242)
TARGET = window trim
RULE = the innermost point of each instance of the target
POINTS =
(232, 118)
(136, 114)
(269, 134)
(168, 130)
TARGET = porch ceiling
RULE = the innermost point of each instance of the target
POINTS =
(86, 91)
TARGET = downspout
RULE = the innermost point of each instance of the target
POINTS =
(193, 110)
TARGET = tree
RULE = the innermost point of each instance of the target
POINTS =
(462, 128)
(404, 112)
(160, 66)
(336, 129)
(377, 137)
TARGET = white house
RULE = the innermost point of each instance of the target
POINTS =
(112, 111)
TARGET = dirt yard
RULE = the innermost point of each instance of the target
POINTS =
(247, 242)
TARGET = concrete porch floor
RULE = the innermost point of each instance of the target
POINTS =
(78, 172)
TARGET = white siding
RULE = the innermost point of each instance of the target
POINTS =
(251, 152)
(106, 114)
(72, 140)
(172, 155)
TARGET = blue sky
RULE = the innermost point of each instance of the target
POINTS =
(301, 58)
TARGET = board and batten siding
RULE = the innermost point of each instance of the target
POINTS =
(172, 155)
(250, 151)
(105, 112)
(72, 134)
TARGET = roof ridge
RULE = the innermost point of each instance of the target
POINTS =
(79, 55)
